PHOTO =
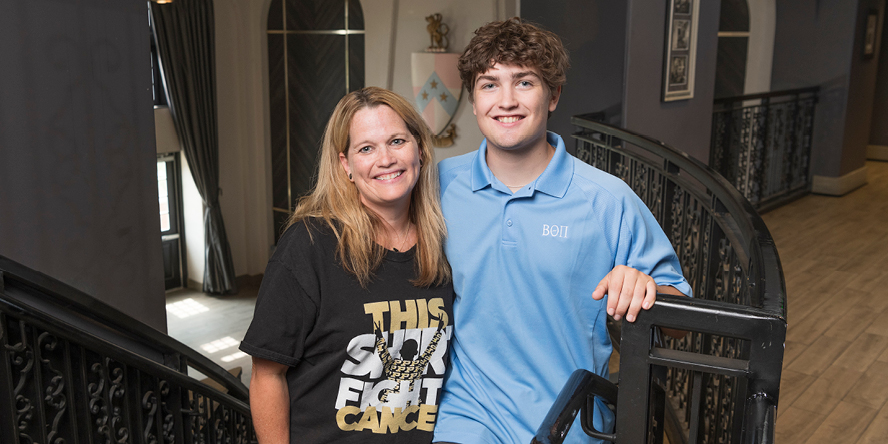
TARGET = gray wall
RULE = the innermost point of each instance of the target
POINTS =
(684, 124)
(879, 123)
(820, 43)
(861, 89)
(78, 184)
(594, 32)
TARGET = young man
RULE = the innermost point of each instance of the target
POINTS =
(536, 239)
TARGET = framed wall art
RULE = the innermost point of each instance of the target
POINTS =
(869, 36)
(681, 49)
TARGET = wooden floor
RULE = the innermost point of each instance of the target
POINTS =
(835, 258)
(835, 370)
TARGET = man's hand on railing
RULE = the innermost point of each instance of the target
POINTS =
(629, 291)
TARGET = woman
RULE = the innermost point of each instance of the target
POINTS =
(349, 338)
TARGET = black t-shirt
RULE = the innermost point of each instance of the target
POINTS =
(366, 365)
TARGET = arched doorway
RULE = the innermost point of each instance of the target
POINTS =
(745, 47)
(315, 56)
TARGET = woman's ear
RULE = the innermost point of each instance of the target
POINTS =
(343, 161)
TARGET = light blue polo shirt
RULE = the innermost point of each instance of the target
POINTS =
(524, 268)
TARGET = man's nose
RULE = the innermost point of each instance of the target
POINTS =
(508, 99)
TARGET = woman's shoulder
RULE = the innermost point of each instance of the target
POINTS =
(304, 237)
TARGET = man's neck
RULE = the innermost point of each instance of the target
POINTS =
(516, 168)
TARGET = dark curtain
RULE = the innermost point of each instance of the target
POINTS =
(184, 33)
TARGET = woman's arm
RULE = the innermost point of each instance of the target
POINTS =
(270, 401)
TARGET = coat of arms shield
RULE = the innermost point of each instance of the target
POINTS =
(437, 88)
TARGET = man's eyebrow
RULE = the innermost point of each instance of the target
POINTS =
(488, 77)
(522, 74)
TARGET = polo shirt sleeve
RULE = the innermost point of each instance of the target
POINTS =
(643, 245)
(450, 168)
(284, 316)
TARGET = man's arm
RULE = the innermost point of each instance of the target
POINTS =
(629, 292)
(270, 401)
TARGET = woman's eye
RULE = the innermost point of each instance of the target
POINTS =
(364, 149)
(398, 141)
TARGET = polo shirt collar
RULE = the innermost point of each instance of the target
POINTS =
(554, 181)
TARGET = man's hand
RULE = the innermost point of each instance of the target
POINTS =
(629, 291)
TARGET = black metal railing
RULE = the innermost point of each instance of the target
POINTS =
(73, 370)
(720, 382)
(761, 143)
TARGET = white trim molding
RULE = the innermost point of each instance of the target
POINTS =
(760, 55)
(839, 186)
(877, 152)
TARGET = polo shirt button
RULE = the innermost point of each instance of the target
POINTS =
(509, 222)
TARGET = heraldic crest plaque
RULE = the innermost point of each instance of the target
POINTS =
(437, 88)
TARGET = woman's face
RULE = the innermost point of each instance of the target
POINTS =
(383, 159)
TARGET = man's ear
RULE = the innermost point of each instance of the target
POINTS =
(344, 162)
(553, 101)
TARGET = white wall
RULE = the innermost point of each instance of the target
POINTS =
(192, 215)
(394, 29)
(244, 153)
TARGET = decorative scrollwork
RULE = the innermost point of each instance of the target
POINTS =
(601, 156)
(149, 407)
(22, 359)
(104, 401)
(657, 197)
(199, 430)
(764, 150)
(168, 423)
(678, 219)
(691, 242)
(639, 181)
(221, 418)
(54, 397)
(622, 170)
(584, 152)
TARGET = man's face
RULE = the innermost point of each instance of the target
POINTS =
(512, 105)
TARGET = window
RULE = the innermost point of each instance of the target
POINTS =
(733, 43)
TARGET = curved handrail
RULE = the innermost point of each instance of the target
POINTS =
(767, 95)
(125, 356)
(737, 319)
(70, 306)
(767, 286)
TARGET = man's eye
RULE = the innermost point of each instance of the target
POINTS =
(525, 83)
(487, 86)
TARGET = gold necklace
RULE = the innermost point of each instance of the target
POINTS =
(401, 238)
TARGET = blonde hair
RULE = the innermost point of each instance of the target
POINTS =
(335, 199)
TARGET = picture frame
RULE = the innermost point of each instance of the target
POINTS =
(869, 36)
(680, 58)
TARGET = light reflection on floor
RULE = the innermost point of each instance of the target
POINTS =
(213, 325)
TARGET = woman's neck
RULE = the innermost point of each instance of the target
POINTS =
(397, 232)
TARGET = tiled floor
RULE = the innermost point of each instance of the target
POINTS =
(834, 253)
(224, 319)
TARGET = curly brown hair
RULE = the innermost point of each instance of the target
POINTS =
(514, 42)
